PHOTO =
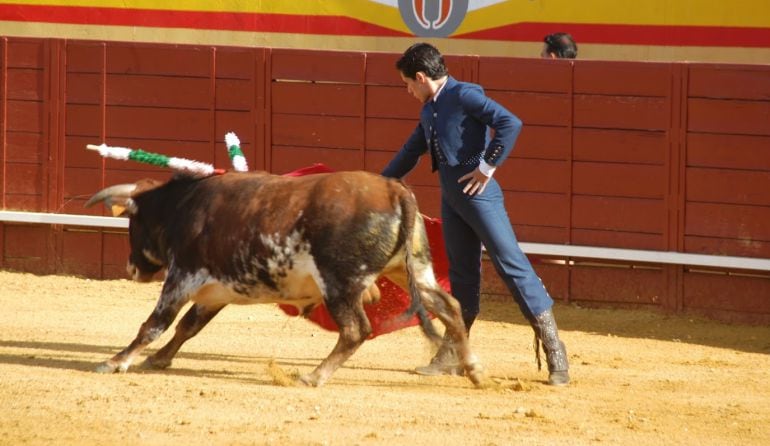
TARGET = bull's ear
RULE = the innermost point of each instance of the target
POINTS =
(118, 210)
(122, 208)
(125, 208)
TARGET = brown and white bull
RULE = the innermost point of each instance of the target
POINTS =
(245, 238)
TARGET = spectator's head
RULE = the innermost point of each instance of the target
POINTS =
(422, 57)
(559, 46)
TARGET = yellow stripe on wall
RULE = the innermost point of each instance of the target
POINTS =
(739, 13)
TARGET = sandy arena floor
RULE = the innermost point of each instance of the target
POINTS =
(639, 378)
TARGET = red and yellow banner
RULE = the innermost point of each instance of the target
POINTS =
(602, 28)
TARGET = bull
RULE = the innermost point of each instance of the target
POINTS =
(245, 238)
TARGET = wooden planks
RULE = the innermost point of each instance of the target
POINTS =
(618, 154)
(25, 123)
(727, 198)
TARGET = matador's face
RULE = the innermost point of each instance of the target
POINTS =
(420, 87)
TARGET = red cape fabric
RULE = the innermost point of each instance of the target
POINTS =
(384, 316)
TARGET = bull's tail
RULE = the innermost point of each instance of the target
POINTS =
(408, 218)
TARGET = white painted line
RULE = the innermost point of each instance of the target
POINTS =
(63, 219)
(639, 255)
(589, 252)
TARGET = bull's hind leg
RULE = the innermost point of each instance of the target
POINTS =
(170, 302)
(354, 328)
(193, 322)
(446, 308)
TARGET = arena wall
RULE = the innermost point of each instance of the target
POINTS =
(652, 30)
(655, 156)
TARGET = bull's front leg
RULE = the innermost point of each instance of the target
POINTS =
(170, 302)
(354, 328)
(193, 322)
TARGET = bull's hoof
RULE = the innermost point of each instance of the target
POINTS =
(476, 376)
(105, 367)
(310, 381)
(475, 373)
(110, 367)
(152, 363)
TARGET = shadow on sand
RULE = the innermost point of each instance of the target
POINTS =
(636, 323)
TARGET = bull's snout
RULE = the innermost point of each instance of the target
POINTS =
(137, 275)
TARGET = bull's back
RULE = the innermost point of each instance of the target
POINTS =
(266, 228)
(276, 203)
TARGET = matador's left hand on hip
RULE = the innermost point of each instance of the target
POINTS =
(477, 182)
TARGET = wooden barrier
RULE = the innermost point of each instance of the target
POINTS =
(667, 157)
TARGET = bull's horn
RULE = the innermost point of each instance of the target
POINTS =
(120, 191)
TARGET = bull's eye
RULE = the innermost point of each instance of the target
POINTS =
(151, 257)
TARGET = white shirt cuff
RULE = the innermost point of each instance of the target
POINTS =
(486, 169)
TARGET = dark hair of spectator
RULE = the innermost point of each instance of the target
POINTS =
(422, 57)
(562, 45)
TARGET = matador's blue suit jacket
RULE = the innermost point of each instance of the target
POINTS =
(455, 130)
(460, 117)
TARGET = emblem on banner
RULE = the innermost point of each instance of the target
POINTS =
(433, 18)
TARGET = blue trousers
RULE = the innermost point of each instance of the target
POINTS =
(469, 222)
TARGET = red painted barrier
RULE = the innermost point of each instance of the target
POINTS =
(660, 156)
